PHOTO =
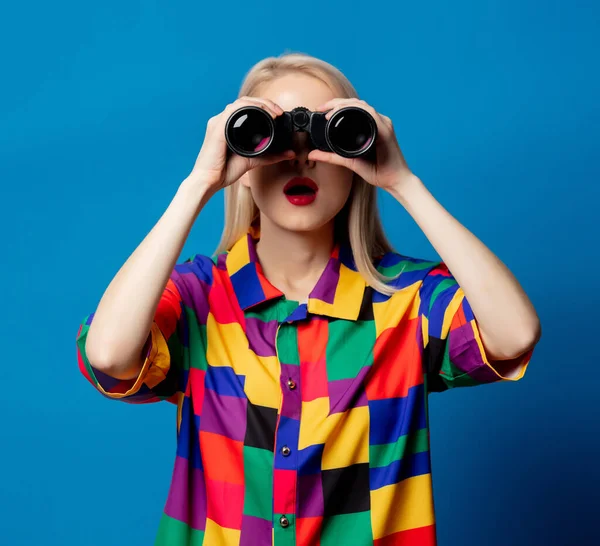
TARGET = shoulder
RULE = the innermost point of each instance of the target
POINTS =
(430, 279)
(198, 268)
(410, 269)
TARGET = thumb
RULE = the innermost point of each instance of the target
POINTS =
(329, 157)
(270, 159)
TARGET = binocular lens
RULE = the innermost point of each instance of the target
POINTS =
(251, 130)
(351, 131)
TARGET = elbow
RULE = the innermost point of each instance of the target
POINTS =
(105, 361)
(527, 343)
(96, 353)
(533, 336)
(514, 346)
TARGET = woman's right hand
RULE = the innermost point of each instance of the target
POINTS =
(214, 165)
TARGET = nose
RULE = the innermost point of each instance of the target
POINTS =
(302, 145)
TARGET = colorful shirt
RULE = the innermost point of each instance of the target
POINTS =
(303, 423)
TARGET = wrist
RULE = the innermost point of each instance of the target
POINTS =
(195, 190)
(405, 187)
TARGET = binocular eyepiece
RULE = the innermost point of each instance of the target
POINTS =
(351, 132)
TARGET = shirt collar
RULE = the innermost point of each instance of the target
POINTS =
(338, 293)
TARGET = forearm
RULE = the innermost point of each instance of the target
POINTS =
(123, 318)
(507, 320)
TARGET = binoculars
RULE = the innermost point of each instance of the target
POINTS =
(351, 132)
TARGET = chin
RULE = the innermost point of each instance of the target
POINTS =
(304, 220)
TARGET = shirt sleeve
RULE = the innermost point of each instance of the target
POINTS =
(453, 352)
(161, 376)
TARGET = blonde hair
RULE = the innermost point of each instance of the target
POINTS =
(358, 223)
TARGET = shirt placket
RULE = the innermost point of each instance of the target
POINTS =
(287, 433)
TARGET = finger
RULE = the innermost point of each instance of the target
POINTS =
(387, 121)
(332, 103)
(358, 165)
(248, 101)
(265, 103)
(272, 104)
(270, 159)
(383, 125)
(352, 102)
(332, 158)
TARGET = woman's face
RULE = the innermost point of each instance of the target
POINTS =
(267, 183)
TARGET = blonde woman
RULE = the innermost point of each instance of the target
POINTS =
(300, 355)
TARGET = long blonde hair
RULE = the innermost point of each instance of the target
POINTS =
(358, 223)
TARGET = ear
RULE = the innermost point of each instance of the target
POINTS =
(245, 180)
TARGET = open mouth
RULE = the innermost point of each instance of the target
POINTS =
(301, 191)
(300, 186)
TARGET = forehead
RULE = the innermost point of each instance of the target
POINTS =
(294, 90)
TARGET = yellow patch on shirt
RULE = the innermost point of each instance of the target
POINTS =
(411, 502)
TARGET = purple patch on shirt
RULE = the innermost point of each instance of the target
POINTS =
(261, 336)
(225, 415)
(255, 531)
(194, 293)
(292, 399)
(187, 495)
(326, 285)
(466, 355)
(222, 261)
(348, 393)
(252, 249)
(107, 382)
(310, 496)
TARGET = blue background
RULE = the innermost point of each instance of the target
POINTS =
(102, 113)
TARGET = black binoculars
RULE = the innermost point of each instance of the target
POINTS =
(351, 132)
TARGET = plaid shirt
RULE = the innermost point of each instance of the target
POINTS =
(302, 423)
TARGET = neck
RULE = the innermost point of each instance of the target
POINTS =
(293, 261)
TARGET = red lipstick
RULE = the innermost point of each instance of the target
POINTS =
(301, 191)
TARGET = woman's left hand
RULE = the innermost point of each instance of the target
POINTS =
(390, 171)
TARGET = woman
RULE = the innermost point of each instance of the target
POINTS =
(300, 355)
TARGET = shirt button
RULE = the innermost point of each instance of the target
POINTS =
(284, 522)
(291, 384)
(285, 451)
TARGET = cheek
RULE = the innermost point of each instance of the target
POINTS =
(339, 182)
(262, 188)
